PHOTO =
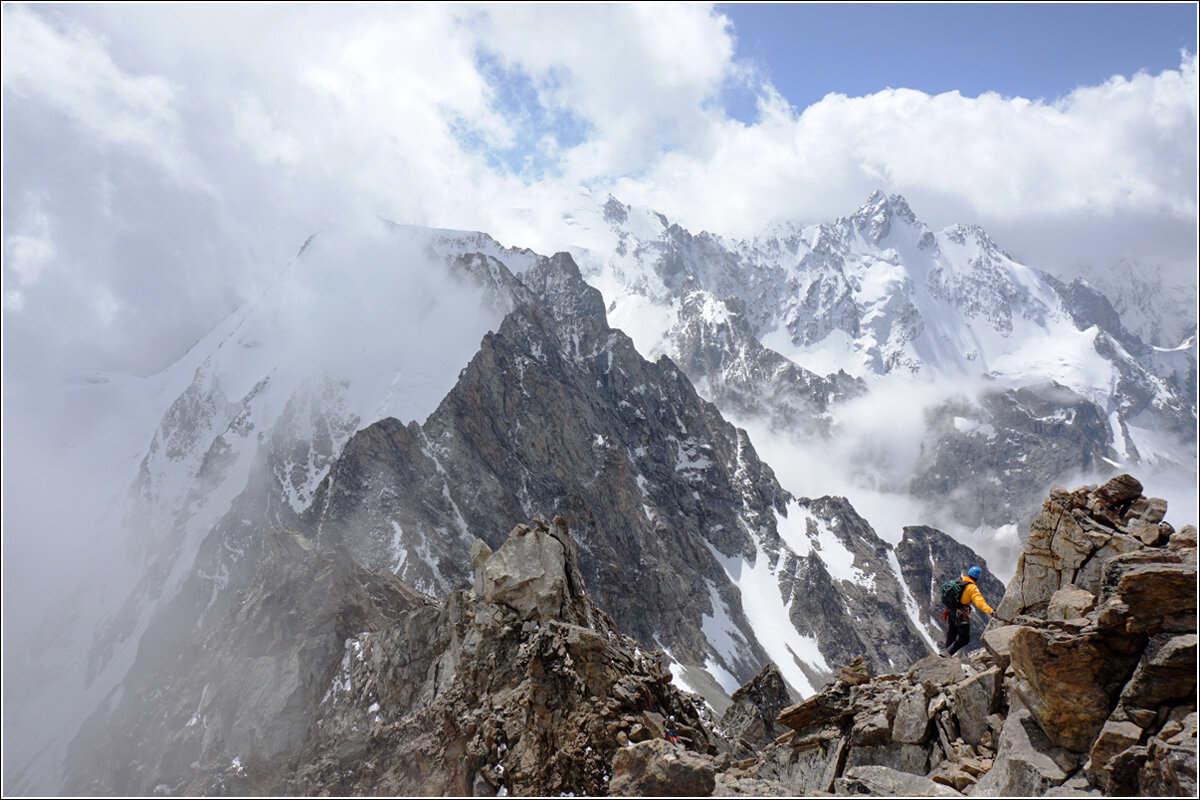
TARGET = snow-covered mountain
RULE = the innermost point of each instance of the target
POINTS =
(292, 413)
(1157, 309)
(1014, 380)
(292, 402)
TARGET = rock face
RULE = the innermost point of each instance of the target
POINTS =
(1091, 689)
(246, 685)
(751, 717)
(657, 768)
(928, 558)
(523, 688)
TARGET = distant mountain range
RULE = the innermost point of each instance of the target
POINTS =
(394, 396)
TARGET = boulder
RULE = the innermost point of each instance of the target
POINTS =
(1119, 491)
(953, 775)
(935, 671)
(1167, 672)
(755, 706)
(974, 699)
(1183, 539)
(1027, 763)
(527, 574)
(871, 729)
(998, 642)
(1147, 509)
(886, 782)
(830, 705)
(1151, 534)
(1069, 682)
(1070, 602)
(910, 758)
(658, 768)
(1104, 768)
(911, 724)
(1161, 597)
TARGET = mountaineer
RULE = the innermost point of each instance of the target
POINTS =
(958, 596)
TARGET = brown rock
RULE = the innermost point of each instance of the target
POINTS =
(1149, 509)
(955, 777)
(1184, 538)
(1114, 738)
(855, 672)
(1119, 490)
(658, 768)
(1167, 672)
(1070, 602)
(830, 705)
(1069, 682)
(936, 671)
(1152, 534)
(1161, 597)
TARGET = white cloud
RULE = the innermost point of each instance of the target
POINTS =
(257, 125)
(1126, 147)
(72, 71)
(29, 251)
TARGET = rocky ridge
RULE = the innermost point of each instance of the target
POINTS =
(1087, 689)
(556, 411)
(519, 685)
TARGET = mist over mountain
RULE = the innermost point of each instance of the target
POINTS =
(739, 433)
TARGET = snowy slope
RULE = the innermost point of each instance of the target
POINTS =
(923, 318)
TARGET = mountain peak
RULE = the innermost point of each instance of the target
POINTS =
(874, 217)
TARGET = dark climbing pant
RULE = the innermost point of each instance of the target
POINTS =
(958, 633)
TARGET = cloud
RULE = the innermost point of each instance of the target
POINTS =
(1102, 153)
(179, 155)
(70, 70)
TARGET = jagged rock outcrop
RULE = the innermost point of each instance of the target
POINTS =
(751, 717)
(336, 679)
(1091, 690)
(520, 686)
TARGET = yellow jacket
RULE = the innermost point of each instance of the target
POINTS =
(970, 594)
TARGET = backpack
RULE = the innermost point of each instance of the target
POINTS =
(952, 593)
